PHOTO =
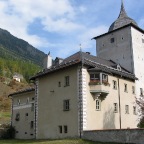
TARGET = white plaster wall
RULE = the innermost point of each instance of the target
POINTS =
(138, 58)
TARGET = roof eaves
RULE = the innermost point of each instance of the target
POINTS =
(130, 24)
(22, 91)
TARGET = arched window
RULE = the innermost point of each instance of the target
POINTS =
(98, 104)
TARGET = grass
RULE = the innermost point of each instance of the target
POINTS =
(72, 141)
(4, 117)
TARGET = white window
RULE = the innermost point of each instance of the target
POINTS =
(67, 81)
(66, 105)
(115, 107)
(114, 84)
(104, 77)
(98, 104)
(125, 88)
(94, 77)
(127, 109)
(133, 90)
(141, 91)
(134, 110)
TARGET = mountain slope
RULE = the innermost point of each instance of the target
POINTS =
(12, 47)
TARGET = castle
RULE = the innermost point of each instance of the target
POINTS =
(85, 92)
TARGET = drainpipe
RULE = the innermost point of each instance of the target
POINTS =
(119, 103)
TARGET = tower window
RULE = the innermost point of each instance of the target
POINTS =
(112, 40)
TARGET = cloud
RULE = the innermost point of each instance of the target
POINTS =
(55, 16)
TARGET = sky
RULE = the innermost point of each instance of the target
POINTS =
(61, 26)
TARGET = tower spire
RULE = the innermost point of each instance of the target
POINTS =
(122, 19)
(122, 11)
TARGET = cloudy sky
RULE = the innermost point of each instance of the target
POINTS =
(60, 26)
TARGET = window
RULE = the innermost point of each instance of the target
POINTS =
(125, 88)
(141, 91)
(59, 84)
(18, 102)
(67, 81)
(26, 114)
(65, 129)
(27, 100)
(134, 110)
(32, 107)
(133, 90)
(112, 40)
(105, 77)
(126, 109)
(60, 129)
(115, 107)
(94, 77)
(33, 98)
(98, 104)
(66, 106)
(142, 40)
(114, 84)
(17, 118)
(31, 124)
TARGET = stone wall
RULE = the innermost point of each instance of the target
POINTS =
(133, 136)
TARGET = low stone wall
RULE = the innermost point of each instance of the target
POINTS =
(131, 136)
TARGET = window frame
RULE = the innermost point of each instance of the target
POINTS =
(115, 107)
(141, 91)
(134, 110)
(133, 89)
(65, 129)
(112, 40)
(126, 109)
(66, 105)
(115, 84)
(60, 129)
(98, 104)
(125, 87)
(67, 81)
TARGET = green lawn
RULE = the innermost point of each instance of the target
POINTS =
(78, 141)
(4, 117)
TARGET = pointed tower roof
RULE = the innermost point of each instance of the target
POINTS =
(122, 19)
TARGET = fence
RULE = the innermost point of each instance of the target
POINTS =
(130, 136)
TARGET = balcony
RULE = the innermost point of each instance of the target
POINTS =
(98, 88)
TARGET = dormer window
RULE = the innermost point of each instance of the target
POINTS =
(118, 67)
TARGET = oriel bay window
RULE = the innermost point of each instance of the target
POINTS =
(99, 78)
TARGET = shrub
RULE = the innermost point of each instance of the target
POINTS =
(9, 132)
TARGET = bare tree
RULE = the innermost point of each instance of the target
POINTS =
(140, 103)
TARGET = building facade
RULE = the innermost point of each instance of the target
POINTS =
(85, 92)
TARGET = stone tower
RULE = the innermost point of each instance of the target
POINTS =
(124, 44)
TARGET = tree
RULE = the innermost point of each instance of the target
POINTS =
(140, 103)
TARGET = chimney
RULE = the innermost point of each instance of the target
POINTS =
(47, 61)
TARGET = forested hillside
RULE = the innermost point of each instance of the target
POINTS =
(15, 48)
(18, 56)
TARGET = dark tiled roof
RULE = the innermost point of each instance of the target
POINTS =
(122, 20)
(89, 60)
(22, 91)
